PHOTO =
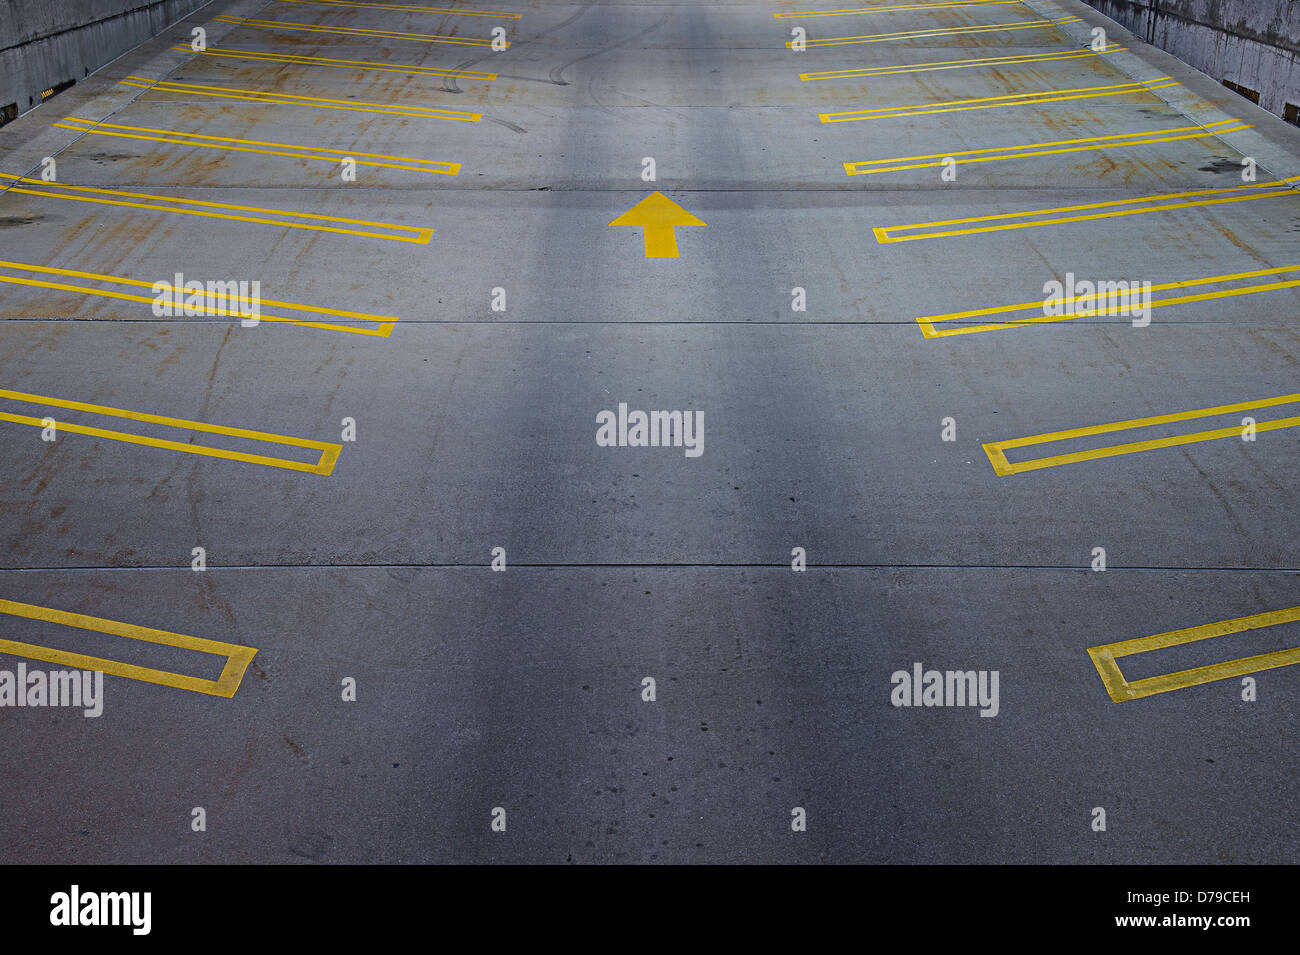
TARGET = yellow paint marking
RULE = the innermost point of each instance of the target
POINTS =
(324, 465)
(1120, 689)
(998, 153)
(888, 234)
(333, 156)
(939, 65)
(297, 59)
(852, 11)
(286, 99)
(385, 322)
(232, 674)
(997, 450)
(927, 34)
(195, 207)
(928, 322)
(993, 102)
(356, 31)
(658, 216)
(408, 8)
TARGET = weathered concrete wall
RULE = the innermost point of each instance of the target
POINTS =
(1252, 43)
(44, 43)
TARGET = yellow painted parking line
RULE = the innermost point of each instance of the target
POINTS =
(853, 11)
(939, 65)
(997, 450)
(927, 323)
(324, 465)
(232, 673)
(287, 99)
(195, 207)
(994, 102)
(355, 31)
(382, 324)
(408, 8)
(1120, 689)
(997, 153)
(937, 32)
(1114, 209)
(332, 156)
(301, 60)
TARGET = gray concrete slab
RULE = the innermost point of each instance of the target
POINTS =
(476, 429)
(522, 690)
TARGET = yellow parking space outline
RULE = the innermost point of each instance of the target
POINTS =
(303, 60)
(853, 11)
(324, 465)
(384, 323)
(332, 156)
(288, 99)
(997, 450)
(1121, 690)
(408, 8)
(232, 673)
(354, 31)
(994, 102)
(1199, 199)
(937, 32)
(196, 207)
(999, 153)
(940, 65)
(927, 323)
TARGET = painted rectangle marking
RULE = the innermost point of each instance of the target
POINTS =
(232, 673)
(1120, 689)
(324, 465)
(996, 450)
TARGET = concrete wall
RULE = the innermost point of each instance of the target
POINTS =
(44, 43)
(1252, 43)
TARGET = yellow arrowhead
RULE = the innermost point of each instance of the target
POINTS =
(658, 216)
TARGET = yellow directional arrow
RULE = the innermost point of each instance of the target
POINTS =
(658, 216)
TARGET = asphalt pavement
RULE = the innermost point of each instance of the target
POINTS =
(900, 456)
